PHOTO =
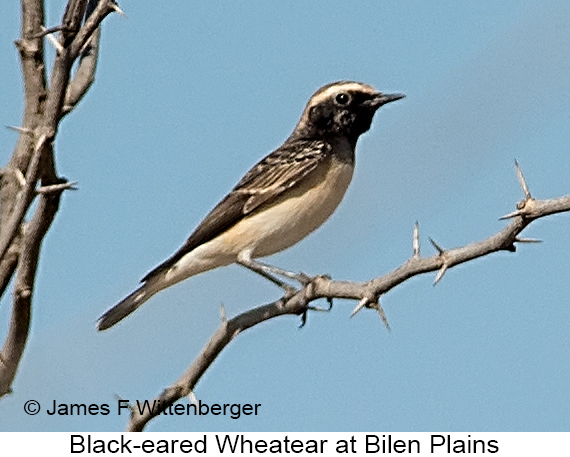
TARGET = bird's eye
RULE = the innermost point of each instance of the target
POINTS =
(342, 99)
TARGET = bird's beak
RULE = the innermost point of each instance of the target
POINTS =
(381, 99)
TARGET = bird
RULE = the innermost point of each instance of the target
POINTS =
(279, 201)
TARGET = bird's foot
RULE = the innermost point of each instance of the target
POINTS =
(308, 307)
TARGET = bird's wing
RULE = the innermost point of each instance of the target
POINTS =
(271, 177)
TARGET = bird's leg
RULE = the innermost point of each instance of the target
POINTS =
(261, 269)
(301, 278)
(270, 272)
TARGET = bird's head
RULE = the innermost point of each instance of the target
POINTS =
(343, 108)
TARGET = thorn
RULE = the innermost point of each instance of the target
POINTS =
(223, 313)
(56, 187)
(41, 140)
(20, 177)
(45, 31)
(118, 10)
(522, 181)
(82, 53)
(56, 44)
(330, 302)
(119, 399)
(440, 273)
(437, 246)
(380, 310)
(303, 318)
(361, 304)
(527, 240)
(192, 398)
(20, 129)
(416, 240)
(511, 215)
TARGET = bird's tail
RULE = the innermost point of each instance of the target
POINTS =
(127, 305)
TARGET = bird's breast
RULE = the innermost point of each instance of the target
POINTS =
(296, 213)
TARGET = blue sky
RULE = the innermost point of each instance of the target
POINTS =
(189, 95)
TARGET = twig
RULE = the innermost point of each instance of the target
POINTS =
(85, 74)
(49, 31)
(102, 10)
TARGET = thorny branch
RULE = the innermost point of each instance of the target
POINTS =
(33, 160)
(367, 293)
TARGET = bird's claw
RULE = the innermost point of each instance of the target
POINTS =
(308, 308)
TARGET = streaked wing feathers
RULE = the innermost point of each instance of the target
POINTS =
(280, 171)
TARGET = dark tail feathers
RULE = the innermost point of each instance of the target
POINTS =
(125, 307)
